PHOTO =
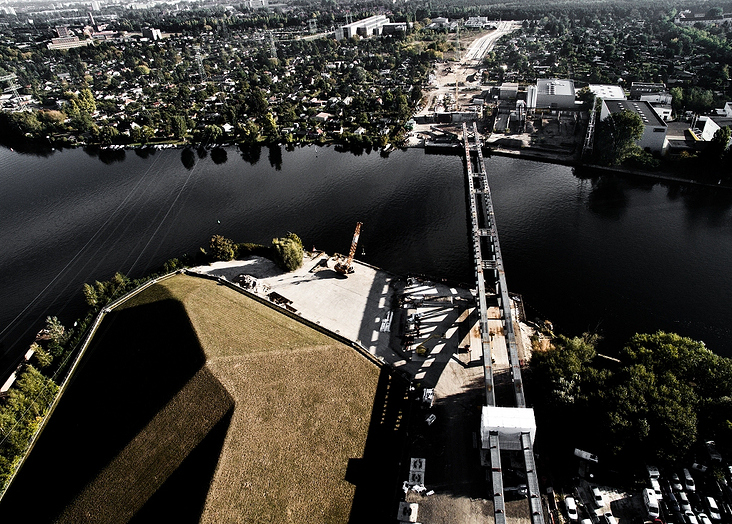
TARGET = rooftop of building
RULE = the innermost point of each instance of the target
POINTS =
(370, 20)
(642, 108)
(608, 91)
(555, 86)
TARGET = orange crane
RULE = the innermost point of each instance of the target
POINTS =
(345, 268)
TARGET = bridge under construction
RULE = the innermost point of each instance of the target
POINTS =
(509, 428)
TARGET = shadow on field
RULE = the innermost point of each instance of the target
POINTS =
(182, 497)
(376, 475)
(452, 455)
(140, 358)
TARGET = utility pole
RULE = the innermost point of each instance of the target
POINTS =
(457, 40)
(13, 88)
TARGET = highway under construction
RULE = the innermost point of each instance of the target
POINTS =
(510, 428)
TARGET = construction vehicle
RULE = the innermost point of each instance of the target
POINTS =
(345, 268)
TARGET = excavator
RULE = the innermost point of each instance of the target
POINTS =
(345, 268)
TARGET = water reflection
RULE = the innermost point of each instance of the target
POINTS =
(707, 205)
(250, 153)
(188, 158)
(607, 197)
(219, 155)
(275, 156)
(110, 156)
(30, 148)
(145, 152)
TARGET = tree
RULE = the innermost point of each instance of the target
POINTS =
(178, 126)
(43, 357)
(288, 252)
(106, 135)
(54, 329)
(213, 133)
(257, 103)
(90, 295)
(677, 95)
(20, 414)
(146, 133)
(221, 248)
(616, 136)
(719, 144)
(86, 101)
(668, 391)
(269, 127)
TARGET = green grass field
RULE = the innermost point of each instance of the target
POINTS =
(199, 404)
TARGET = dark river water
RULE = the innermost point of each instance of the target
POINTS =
(602, 254)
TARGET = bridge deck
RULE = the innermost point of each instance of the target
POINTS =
(489, 265)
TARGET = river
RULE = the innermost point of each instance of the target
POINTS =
(601, 254)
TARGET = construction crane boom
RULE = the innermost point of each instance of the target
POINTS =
(345, 267)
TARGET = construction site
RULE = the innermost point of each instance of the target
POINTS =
(431, 335)
(506, 124)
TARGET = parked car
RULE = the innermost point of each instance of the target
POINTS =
(656, 487)
(571, 505)
(703, 519)
(609, 518)
(713, 508)
(696, 502)
(699, 467)
(663, 509)
(684, 502)
(672, 502)
(650, 501)
(689, 483)
(597, 497)
(665, 486)
(676, 483)
(690, 518)
(714, 455)
(653, 472)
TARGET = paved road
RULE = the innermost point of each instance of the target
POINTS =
(478, 48)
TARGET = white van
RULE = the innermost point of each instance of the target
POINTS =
(571, 505)
(653, 472)
(651, 503)
(689, 483)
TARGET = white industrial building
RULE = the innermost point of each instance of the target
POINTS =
(509, 424)
(607, 91)
(654, 128)
(508, 91)
(663, 111)
(551, 93)
(477, 22)
(367, 27)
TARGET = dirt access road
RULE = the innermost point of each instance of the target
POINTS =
(450, 73)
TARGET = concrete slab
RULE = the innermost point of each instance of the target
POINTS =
(357, 306)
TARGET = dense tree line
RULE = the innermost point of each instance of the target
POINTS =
(287, 252)
(666, 394)
(21, 412)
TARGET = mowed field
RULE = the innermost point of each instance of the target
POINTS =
(303, 407)
(196, 403)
